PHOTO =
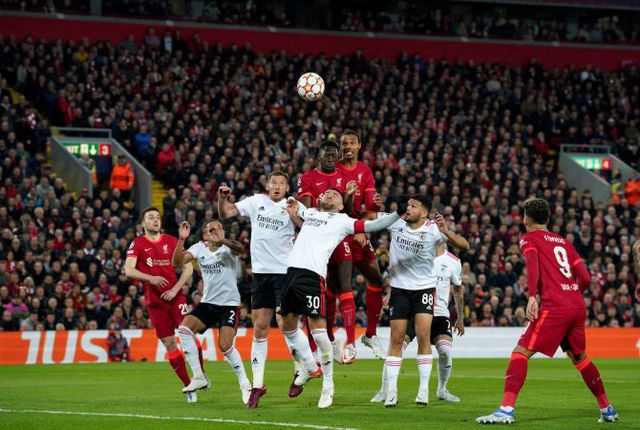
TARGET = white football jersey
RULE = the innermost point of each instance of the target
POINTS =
(272, 233)
(219, 274)
(448, 270)
(412, 253)
(319, 236)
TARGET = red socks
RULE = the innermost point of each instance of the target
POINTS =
(178, 365)
(516, 375)
(591, 377)
(331, 314)
(348, 310)
(373, 301)
(312, 343)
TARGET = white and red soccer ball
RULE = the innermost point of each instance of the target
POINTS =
(310, 86)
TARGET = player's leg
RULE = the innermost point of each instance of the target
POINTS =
(191, 325)
(163, 324)
(347, 308)
(574, 345)
(367, 265)
(319, 332)
(424, 358)
(331, 296)
(299, 346)
(393, 362)
(263, 302)
(228, 328)
(442, 339)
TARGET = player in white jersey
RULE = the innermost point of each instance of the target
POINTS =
(448, 271)
(323, 229)
(413, 244)
(272, 233)
(217, 258)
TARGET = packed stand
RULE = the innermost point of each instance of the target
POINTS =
(478, 138)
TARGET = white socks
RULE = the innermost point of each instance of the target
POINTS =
(326, 355)
(190, 349)
(385, 380)
(424, 370)
(393, 365)
(235, 361)
(259, 350)
(444, 363)
(299, 346)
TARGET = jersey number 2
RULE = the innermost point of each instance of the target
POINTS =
(563, 260)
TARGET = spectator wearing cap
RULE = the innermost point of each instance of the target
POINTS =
(122, 177)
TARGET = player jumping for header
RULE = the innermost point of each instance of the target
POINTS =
(304, 293)
(552, 265)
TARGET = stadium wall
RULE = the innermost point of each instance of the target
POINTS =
(266, 39)
(57, 347)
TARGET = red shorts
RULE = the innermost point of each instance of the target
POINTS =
(555, 328)
(362, 253)
(341, 253)
(167, 316)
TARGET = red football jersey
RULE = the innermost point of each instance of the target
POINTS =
(154, 258)
(315, 182)
(557, 260)
(361, 173)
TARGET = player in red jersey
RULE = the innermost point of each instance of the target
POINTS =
(364, 257)
(149, 260)
(552, 265)
(312, 185)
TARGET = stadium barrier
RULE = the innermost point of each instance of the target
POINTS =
(298, 41)
(57, 347)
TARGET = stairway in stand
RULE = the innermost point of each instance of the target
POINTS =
(158, 193)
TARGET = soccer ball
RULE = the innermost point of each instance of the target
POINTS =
(310, 86)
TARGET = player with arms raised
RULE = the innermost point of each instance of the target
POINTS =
(149, 260)
(272, 233)
(304, 294)
(363, 255)
(552, 265)
(217, 258)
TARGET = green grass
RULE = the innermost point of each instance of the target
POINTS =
(554, 397)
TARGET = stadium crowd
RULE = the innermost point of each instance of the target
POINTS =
(440, 18)
(480, 139)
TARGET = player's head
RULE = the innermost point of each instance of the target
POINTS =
(536, 213)
(328, 156)
(441, 248)
(212, 231)
(277, 185)
(331, 201)
(350, 144)
(151, 220)
(417, 209)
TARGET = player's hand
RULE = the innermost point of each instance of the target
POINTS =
(158, 281)
(458, 327)
(170, 294)
(352, 188)
(402, 203)
(377, 199)
(441, 223)
(532, 309)
(224, 191)
(184, 230)
(360, 239)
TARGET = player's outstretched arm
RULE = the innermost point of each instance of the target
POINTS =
(180, 257)
(235, 246)
(453, 238)
(225, 208)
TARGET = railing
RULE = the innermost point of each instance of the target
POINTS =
(69, 168)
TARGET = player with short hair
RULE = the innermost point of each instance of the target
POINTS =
(272, 234)
(413, 283)
(552, 265)
(217, 258)
(448, 271)
(311, 186)
(323, 229)
(149, 260)
(363, 254)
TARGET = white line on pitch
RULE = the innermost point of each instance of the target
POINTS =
(159, 417)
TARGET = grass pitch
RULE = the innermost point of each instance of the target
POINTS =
(147, 396)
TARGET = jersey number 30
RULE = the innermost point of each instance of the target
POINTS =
(563, 260)
(313, 302)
